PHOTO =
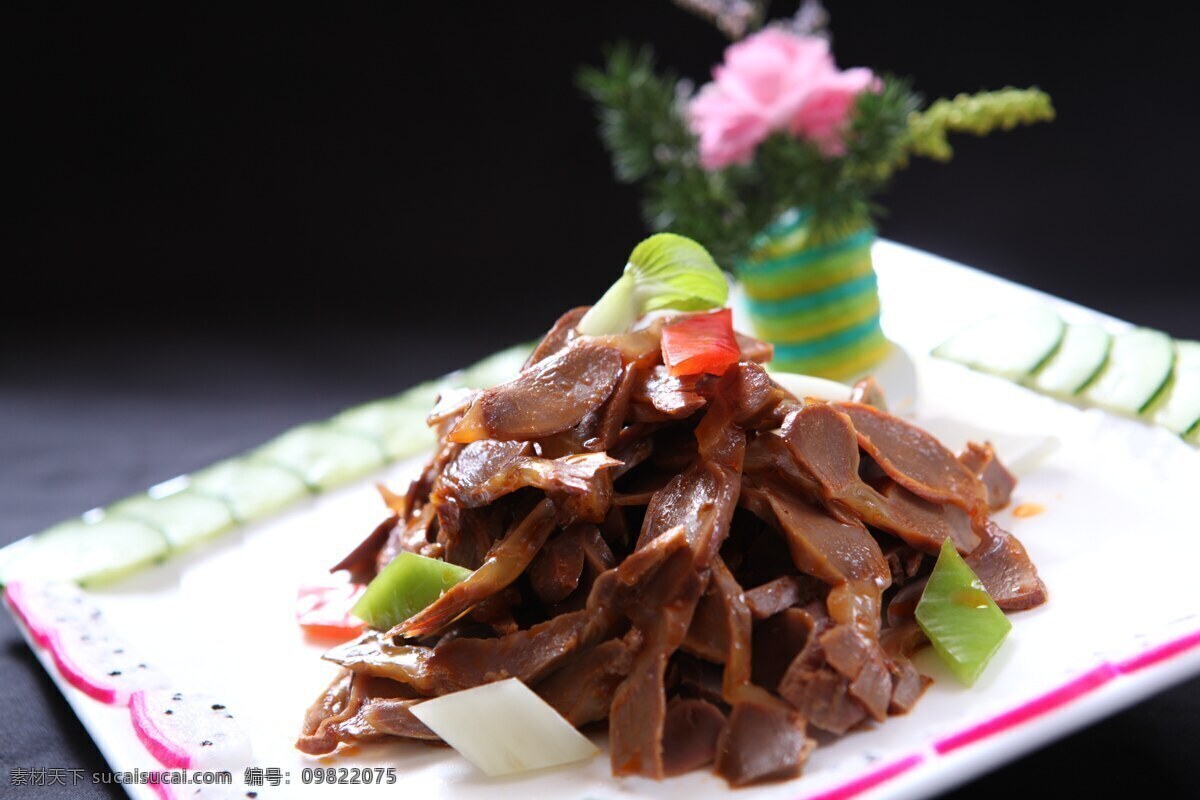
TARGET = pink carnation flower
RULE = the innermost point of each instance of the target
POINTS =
(774, 81)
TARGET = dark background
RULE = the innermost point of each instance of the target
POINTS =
(228, 221)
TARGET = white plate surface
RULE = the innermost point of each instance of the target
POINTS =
(221, 619)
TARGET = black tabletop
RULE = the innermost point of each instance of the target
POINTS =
(83, 422)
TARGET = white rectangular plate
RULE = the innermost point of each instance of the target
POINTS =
(222, 619)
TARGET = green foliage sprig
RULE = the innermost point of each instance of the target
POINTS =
(643, 126)
(979, 114)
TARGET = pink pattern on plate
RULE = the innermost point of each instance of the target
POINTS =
(870, 780)
(1157, 655)
(1085, 684)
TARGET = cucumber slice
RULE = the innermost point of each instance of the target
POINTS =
(1079, 359)
(323, 456)
(1193, 435)
(398, 426)
(1179, 411)
(89, 553)
(1009, 345)
(252, 490)
(185, 518)
(1139, 366)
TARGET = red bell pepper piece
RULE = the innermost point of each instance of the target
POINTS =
(323, 611)
(701, 343)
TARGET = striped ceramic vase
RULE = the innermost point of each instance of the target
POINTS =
(816, 301)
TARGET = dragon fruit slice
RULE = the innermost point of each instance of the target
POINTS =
(63, 619)
(188, 731)
(46, 607)
(100, 665)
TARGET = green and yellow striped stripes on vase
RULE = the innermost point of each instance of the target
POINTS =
(815, 298)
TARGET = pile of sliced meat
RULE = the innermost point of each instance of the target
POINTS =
(708, 565)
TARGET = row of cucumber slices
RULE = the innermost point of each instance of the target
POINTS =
(1137, 372)
(106, 544)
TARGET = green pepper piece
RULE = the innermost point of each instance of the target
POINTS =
(961, 619)
(404, 587)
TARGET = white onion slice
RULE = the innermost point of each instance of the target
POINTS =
(803, 386)
(504, 728)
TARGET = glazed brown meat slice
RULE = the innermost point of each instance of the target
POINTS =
(690, 735)
(702, 501)
(550, 397)
(915, 459)
(698, 504)
(487, 470)
(718, 440)
(597, 554)
(868, 392)
(904, 561)
(818, 691)
(776, 643)
(376, 655)
(535, 653)
(418, 490)
(841, 554)
(774, 596)
(505, 562)
(935, 521)
(411, 536)
(637, 717)
(582, 691)
(467, 534)
(762, 742)
(556, 571)
(822, 696)
(708, 636)
(658, 395)
(333, 705)
(613, 413)
(1006, 571)
(754, 349)
(997, 480)
(738, 677)
(846, 650)
(872, 687)
(589, 498)
(465, 476)
(903, 639)
(907, 686)
(902, 607)
(360, 709)
(529, 654)
(558, 337)
(697, 678)
(394, 717)
(824, 445)
(861, 661)
(496, 612)
(764, 739)
(768, 455)
(749, 391)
